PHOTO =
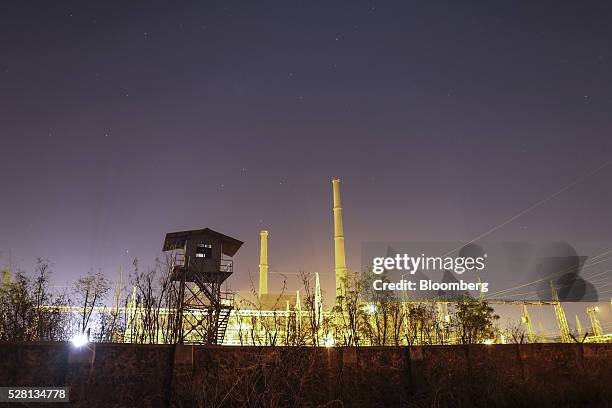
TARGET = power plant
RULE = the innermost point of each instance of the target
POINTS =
(200, 312)
(280, 318)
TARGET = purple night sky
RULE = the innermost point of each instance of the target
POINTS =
(122, 122)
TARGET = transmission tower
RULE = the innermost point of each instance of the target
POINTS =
(595, 324)
(527, 322)
(560, 314)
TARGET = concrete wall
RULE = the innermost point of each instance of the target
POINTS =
(108, 375)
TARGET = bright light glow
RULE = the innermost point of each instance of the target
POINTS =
(488, 342)
(79, 340)
(370, 309)
(596, 308)
(329, 341)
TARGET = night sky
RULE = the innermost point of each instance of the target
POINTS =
(121, 122)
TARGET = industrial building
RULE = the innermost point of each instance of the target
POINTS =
(198, 311)
(207, 315)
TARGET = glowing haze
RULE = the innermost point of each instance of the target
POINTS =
(121, 123)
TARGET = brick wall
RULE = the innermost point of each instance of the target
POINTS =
(107, 375)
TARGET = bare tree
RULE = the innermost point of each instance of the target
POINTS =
(516, 333)
(350, 320)
(17, 310)
(29, 311)
(420, 322)
(90, 290)
(51, 323)
(397, 316)
(315, 328)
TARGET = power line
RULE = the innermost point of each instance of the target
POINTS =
(532, 207)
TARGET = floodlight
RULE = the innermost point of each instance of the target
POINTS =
(79, 340)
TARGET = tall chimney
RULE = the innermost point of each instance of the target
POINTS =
(338, 239)
(263, 264)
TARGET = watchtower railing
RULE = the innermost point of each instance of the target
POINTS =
(227, 265)
(227, 299)
(178, 260)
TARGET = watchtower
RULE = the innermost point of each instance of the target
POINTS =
(201, 262)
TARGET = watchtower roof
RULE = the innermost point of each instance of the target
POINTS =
(176, 240)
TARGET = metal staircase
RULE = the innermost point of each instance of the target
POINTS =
(224, 316)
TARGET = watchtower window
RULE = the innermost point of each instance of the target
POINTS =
(203, 251)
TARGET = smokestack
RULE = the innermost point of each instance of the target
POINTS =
(263, 264)
(338, 239)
